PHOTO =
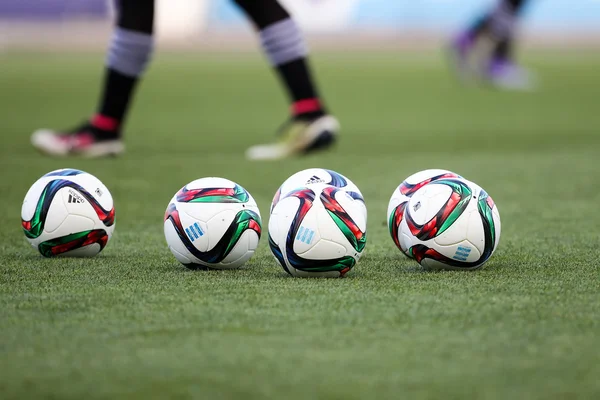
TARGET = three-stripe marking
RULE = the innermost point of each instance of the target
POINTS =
(194, 231)
(462, 253)
(305, 235)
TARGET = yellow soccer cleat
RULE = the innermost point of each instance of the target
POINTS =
(297, 137)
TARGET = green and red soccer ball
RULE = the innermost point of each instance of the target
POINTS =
(212, 223)
(68, 212)
(317, 225)
(443, 221)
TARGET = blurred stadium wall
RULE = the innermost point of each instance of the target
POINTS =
(217, 24)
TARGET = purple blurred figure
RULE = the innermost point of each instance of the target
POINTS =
(485, 49)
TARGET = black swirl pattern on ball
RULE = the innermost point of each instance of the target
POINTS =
(243, 221)
(342, 264)
(278, 254)
(35, 226)
(485, 206)
(63, 244)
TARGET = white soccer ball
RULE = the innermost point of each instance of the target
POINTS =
(212, 223)
(312, 176)
(403, 193)
(450, 223)
(68, 212)
(318, 231)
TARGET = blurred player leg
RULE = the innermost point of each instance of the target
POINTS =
(128, 55)
(309, 128)
(497, 30)
(501, 69)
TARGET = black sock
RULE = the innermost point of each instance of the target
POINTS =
(297, 79)
(284, 45)
(118, 89)
(128, 56)
(306, 103)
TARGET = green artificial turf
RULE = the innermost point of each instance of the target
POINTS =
(134, 323)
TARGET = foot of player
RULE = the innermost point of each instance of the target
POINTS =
(85, 141)
(298, 136)
(502, 74)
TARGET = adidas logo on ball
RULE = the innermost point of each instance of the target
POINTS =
(75, 198)
(314, 179)
(417, 206)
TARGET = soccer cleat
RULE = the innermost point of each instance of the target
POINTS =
(85, 141)
(504, 74)
(297, 137)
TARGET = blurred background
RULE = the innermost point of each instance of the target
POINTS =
(132, 321)
(217, 24)
(380, 66)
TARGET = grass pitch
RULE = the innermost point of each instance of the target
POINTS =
(134, 323)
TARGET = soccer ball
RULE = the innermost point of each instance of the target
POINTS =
(450, 223)
(212, 223)
(318, 231)
(315, 175)
(68, 212)
(402, 195)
